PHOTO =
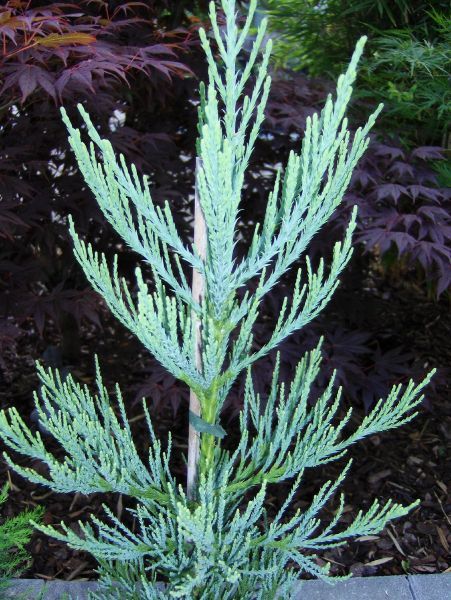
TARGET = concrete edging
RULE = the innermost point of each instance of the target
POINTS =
(398, 587)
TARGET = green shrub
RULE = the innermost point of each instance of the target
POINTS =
(411, 75)
(407, 66)
(15, 533)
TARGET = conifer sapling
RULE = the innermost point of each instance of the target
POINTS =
(216, 541)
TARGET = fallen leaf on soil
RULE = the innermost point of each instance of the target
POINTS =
(443, 539)
(378, 476)
(379, 561)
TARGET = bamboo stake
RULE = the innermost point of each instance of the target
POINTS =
(198, 289)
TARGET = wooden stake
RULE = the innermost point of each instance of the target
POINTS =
(198, 289)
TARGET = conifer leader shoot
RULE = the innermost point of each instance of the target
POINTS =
(218, 542)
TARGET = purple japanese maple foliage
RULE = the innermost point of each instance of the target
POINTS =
(401, 204)
(115, 58)
(133, 71)
(402, 207)
(403, 225)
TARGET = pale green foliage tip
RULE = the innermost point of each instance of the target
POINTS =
(222, 544)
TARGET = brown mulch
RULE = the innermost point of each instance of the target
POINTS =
(405, 464)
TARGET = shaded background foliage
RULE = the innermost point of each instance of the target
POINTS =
(136, 67)
(122, 65)
(406, 64)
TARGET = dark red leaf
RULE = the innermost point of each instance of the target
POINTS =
(428, 153)
(390, 190)
(391, 151)
(27, 80)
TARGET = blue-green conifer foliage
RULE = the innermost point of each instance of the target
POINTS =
(221, 543)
